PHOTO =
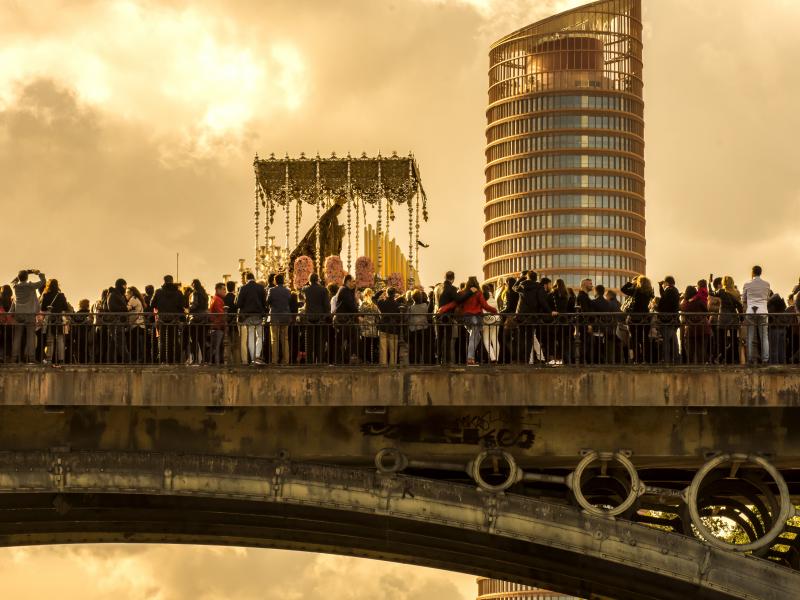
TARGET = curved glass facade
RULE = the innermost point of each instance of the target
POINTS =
(565, 148)
(495, 589)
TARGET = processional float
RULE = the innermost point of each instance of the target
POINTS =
(364, 188)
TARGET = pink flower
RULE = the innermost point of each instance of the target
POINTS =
(396, 281)
(303, 268)
(334, 270)
(365, 272)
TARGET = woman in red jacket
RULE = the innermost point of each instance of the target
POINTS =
(471, 309)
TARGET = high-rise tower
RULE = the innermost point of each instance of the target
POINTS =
(565, 148)
(495, 589)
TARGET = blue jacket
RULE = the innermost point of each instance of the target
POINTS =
(251, 300)
(278, 301)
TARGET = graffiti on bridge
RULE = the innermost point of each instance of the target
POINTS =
(491, 430)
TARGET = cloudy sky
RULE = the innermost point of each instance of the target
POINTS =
(127, 128)
(127, 131)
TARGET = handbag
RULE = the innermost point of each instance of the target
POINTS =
(623, 333)
(627, 304)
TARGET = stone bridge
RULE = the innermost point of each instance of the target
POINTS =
(596, 482)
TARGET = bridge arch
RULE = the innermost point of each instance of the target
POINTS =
(70, 497)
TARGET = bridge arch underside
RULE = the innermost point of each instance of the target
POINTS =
(51, 498)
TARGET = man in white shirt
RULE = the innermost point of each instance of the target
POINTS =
(755, 294)
(26, 305)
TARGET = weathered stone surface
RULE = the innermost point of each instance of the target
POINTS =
(551, 438)
(431, 386)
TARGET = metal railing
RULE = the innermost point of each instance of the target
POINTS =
(415, 338)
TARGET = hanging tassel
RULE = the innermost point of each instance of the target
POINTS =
(257, 210)
(410, 274)
(379, 234)
(318, 258)
(358, 223)
(416, 235)
(298, 216)
(349, 191)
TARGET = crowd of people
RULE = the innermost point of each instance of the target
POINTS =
(522, 320)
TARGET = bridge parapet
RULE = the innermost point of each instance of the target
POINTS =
(406, 386)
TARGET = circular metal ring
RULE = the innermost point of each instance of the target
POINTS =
(785, 513)
(574, 483)
(514, 472)
(397, 460)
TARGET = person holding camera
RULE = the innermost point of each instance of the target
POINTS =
(26, 305)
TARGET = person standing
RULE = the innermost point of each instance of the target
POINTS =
(755, 295)
(117, 320)
(559, 300)
(778, 323)
(472, 310)
(232, 342)
(198, 324)
(6, 322)
(149, 291)
(419, 338)
(389, 327)
(280, 315)
(532, 308)
(491, 327)
(251, 304)
(81, 334)
(640, 292)
(317, 309)
(346, 332)
(445, 294)
(168, 303)
(696, 329)
(217, 323)
(54, 305)
(136, 304)
(583, 305)
(26, 306)
(368, 323)
(603, 333)
(668, 307)
(507, 304)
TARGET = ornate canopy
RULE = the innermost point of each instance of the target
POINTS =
(383, 183)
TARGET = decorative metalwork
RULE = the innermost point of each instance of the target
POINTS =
(349, 219)
(318, 225)
(397, 179)
(271, 174)
(335, 178)
(258, 200)
(416, 232)
(411, 244)
(302, 179)
(271, 258)
(364, 179)
(379, 229)
(354, 182)
(298, 217)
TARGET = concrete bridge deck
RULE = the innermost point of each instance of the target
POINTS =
(651, 386)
